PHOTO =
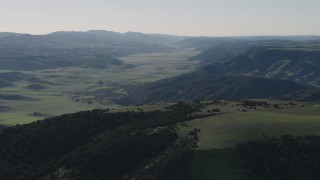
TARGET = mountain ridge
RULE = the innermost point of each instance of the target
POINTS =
(201, 85)
(297, 63)
(96, 38)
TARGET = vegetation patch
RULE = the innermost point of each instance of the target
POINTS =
(287, 157)
(5, 108)
(96, 144)
(39, 114)
(36, 87)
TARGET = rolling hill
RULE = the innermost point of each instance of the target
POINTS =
(29, 59)
(4, 83)
(296, 63)
(7, 79)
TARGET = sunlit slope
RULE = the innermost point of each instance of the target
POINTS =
(233, 126)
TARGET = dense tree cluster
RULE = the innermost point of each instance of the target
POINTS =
(185, 108)
(173, 165)
(115, 154)
(251, 103)
(93, 144)
(285, 158)
(2, 127)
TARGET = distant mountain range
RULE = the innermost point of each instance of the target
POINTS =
(3, 34)
(88, 39)
(94, 48)
(240, 42)
(231, 68)
(99, 48)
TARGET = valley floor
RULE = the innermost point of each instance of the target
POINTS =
(68, 90)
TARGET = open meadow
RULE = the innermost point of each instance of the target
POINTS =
(237, 123)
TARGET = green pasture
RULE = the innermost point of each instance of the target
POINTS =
(215, 160)
(233, 126)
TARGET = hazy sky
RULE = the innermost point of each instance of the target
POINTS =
(182, 17)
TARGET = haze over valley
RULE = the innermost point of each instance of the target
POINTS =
(174, 90)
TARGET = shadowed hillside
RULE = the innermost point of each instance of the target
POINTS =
(292, 62)
(200, 85)
(302, 96)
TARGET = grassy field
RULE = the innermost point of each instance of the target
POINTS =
(74, 89)
(234, 125)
